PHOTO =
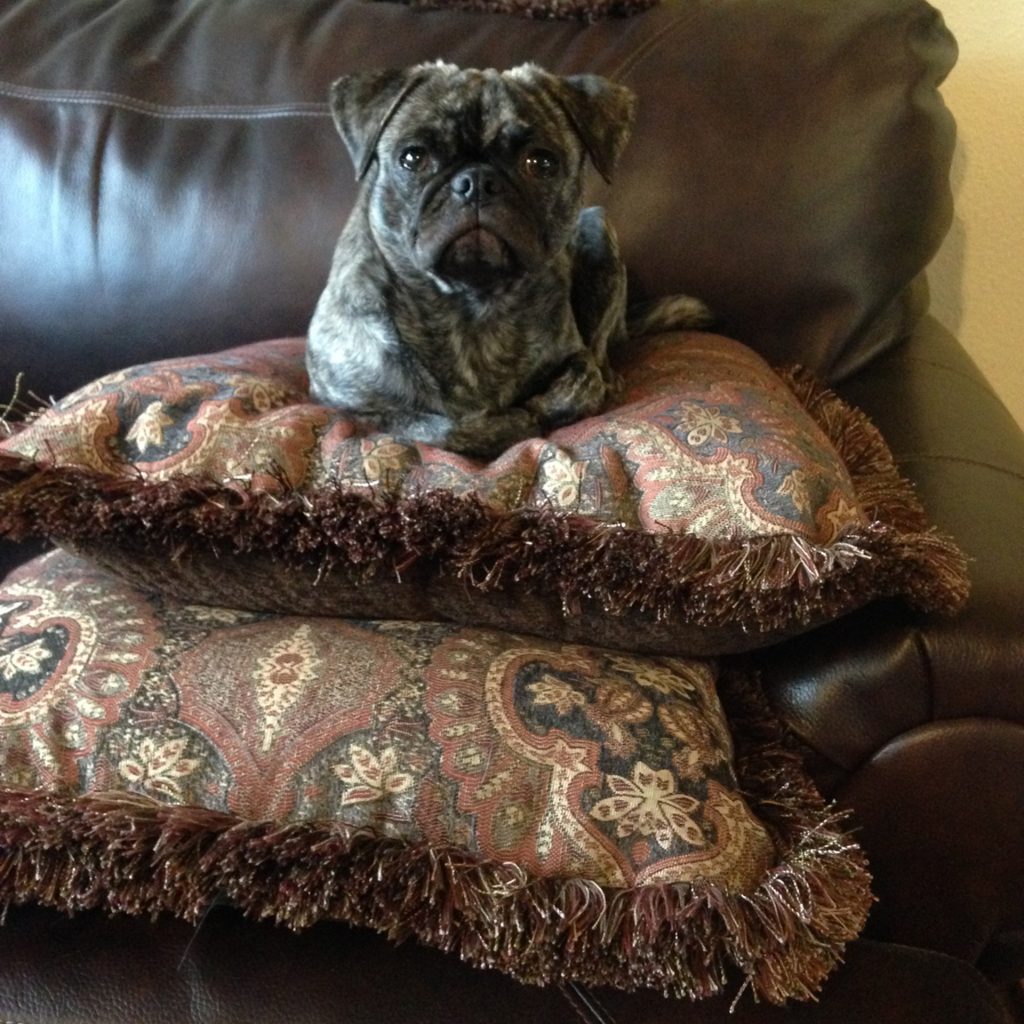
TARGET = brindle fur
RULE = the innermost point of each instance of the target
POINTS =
(472, 345)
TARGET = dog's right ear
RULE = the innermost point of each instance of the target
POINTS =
(364, 103)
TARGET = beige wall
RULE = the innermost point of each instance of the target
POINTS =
(977, 279)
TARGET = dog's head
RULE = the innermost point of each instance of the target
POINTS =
(475, 178)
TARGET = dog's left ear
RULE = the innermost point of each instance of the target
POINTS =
(600, 111)
(363, 104)
(602, 114)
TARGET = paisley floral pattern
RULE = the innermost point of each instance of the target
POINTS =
(571, 761)
(70, 657)
(713, 508)
(705, 438)
(560, 812)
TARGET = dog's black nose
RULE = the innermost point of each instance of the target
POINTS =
(476, 184)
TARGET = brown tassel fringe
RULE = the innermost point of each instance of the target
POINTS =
(761, 585)
(129, 854)
(543, 10)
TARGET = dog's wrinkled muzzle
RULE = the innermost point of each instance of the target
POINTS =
(477, 257)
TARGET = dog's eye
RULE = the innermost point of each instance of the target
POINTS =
(541, 163)
(412, 158)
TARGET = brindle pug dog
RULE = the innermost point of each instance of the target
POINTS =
(472, 302)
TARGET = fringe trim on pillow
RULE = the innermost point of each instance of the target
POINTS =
(544, 10)
(129, 854)
(762, 584)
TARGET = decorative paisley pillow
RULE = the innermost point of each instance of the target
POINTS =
(556, 811)
(716, 507)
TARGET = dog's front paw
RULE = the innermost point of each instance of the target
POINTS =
(577, 392)
(487, 435)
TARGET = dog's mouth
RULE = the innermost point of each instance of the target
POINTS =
(477, 257)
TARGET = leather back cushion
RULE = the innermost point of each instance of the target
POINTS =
(171, 181)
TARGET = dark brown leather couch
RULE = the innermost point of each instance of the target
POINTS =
(170, 182)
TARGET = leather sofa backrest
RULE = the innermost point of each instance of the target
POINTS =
(171, 181)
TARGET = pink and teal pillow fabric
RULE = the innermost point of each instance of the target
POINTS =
(556, 811)
(714, 507)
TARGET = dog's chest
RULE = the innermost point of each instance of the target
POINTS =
(492, 359)
(489, 366)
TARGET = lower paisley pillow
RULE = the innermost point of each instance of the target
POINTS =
(554, 811)
(715, 507)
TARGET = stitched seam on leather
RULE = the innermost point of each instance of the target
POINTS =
(929, 671)
(630, 61)
(145, 107)
(896, 737)
(901, 360)
(903, 459)
(936, 364)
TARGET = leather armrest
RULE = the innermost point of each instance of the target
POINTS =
(917, 723)
(959, 445)
(885, 669)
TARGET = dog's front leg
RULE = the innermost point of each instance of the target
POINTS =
(598, 286)
(579, 390)
(485, 435)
